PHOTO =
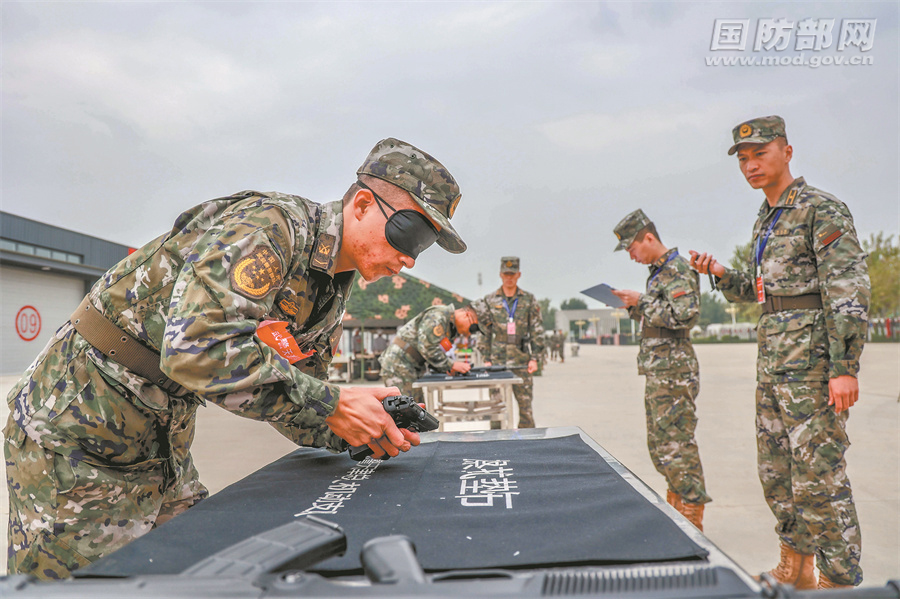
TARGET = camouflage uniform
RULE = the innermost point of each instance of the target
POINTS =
(97, 455)
(428, 337)
(91, 442)
(671, 302)
(528, 344)
(801, 440)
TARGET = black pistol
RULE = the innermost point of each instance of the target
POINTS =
(406, 414)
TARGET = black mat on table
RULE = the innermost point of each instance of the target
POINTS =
(487, 504)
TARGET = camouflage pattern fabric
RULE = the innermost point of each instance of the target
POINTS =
(524, 394)
(501, 349)
(761, 130)
(430, 183)
(426, 332)
(627, 229)
(672, 301)
(801, 443)
(671, 421)
(195, 295)
(812, 249)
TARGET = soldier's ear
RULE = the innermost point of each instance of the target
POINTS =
(362, 201)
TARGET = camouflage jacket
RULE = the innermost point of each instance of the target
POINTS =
(813, 248)
(672, 301)
(527, 344)
(431, 332)
(196, 295)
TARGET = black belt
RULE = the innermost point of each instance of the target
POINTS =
(809, 301)
(410, 351)
(665, 333)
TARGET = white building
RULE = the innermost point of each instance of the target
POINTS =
(45, 272)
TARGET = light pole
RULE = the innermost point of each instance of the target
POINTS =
(732, 309)
(580, 324)
(618, 315)
(596, 321)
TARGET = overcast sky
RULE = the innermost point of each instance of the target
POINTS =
(556, 118)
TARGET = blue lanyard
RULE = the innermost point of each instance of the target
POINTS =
(761, 244)
(659, 270)
(510, 313)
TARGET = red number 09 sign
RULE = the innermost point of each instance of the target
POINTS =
(28, 323)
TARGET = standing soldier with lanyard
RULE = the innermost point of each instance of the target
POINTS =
(515, 335)
(667, 310)
(425, 341)
(809, 275)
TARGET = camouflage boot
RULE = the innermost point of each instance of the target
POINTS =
(694, 513)
(796, 569)
(826, 583)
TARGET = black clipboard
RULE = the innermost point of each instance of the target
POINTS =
(604, 293)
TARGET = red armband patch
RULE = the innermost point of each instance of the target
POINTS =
(446, 344)
(678, 294)
(274, 333)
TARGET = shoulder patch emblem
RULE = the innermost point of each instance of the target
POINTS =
(257, 274)
(829, 235)
(438, 331)
(321, 255)
(289, 307)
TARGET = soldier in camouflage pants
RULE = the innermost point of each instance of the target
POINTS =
(98, 453)
(424, 341)
(809, 273)
(513, 336)
(667, 310)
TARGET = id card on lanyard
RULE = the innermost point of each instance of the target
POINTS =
(760, 247)
(511, 322)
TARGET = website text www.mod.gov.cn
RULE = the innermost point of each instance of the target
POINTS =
(799, 60)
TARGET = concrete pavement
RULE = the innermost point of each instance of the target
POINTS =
(601, 392)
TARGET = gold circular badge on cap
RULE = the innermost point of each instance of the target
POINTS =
(745, 130)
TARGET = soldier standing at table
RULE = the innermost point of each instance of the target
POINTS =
(667, 310)
(515, 335)
(809, 273)
(425, 341)
(238, 304)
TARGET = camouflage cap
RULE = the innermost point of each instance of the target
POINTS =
(629, 227)
(509, 264)
(430, 184)
(481, 310)
(761, 130)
